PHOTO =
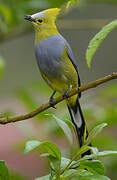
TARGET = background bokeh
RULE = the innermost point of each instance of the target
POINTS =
(22, 89)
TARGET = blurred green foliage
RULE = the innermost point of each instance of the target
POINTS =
(4, 175)
(12, 12)
(71, 3)
(2, 65)
(16, 176)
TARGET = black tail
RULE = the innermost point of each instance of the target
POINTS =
(79, 123)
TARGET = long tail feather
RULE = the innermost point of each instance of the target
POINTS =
(79, 123)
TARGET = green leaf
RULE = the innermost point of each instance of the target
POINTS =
(98, 38)
(94, 166)
(94, 133)
(65, 129)
(44, 177)
(70, 124)
(94, 150)
(107, 153)
(99, 154)
(76, 174)
(83, 175)
(94, 177)
(81, 151)
(2, 65)
(64, 162)
(71, 3)
(4, 175)
(76, 164)
(70, 172)
(47, 147)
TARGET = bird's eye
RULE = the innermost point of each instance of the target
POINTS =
(40, 21)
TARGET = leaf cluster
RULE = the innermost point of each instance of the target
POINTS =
(83, 168)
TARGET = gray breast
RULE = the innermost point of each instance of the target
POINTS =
(48, 53)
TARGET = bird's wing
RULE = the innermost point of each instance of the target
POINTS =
(74, 62)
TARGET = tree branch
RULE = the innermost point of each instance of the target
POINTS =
(5, 120)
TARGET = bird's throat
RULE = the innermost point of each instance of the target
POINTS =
(41, 35)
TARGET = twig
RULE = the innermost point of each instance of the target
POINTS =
(72, 92)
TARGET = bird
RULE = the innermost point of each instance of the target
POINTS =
(58, 66)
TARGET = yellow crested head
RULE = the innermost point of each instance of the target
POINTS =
(51, 13)
(44, 22)
(46, 17)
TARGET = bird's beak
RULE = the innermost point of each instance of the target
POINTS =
(29, 18)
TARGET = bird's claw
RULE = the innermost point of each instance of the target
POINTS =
(52, 103)
(65, 95)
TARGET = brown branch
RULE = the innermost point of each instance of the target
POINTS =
(72, 92)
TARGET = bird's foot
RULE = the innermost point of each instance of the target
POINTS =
(65, 95)
(51, 101)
